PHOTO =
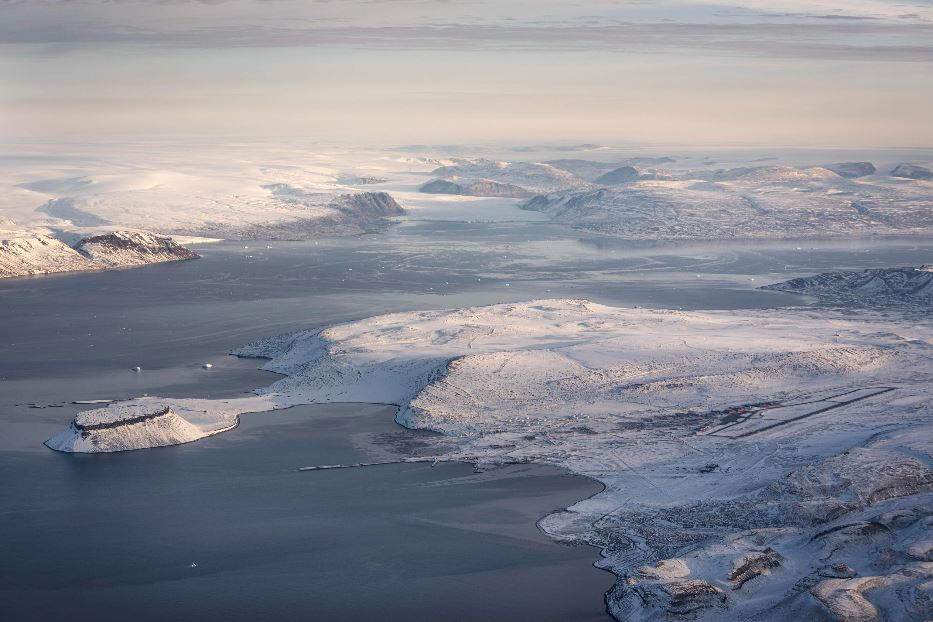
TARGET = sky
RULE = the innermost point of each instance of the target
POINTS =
(821, 73)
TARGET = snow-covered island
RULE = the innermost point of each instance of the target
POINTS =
(150, 422)
(28, 255)
(758, 464)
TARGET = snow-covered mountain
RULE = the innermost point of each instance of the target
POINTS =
(907, 287)
(29, 255)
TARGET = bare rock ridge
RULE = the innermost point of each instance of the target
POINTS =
(41, 254)
(883, 287)
(475, 188)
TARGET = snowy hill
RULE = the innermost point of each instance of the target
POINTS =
(883, 287)
(29, 255)
(756, 463)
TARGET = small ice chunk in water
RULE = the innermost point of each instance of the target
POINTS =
(208, 365)
(193, 565)
(137, 368)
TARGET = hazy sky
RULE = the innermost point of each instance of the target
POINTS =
(791, 72)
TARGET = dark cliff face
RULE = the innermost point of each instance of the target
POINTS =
(147, 244)
(370, 205)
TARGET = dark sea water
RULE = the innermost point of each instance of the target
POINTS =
(228, 529)
(115, 536)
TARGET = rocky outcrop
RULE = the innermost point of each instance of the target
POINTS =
(475, 188)
(650, 599)
(843, 598)
(132, 248)
(41, 254)
(911, 171)
(754, 565)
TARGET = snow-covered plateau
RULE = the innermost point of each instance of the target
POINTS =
(29, 255)
(271, 192)
(766, 465)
